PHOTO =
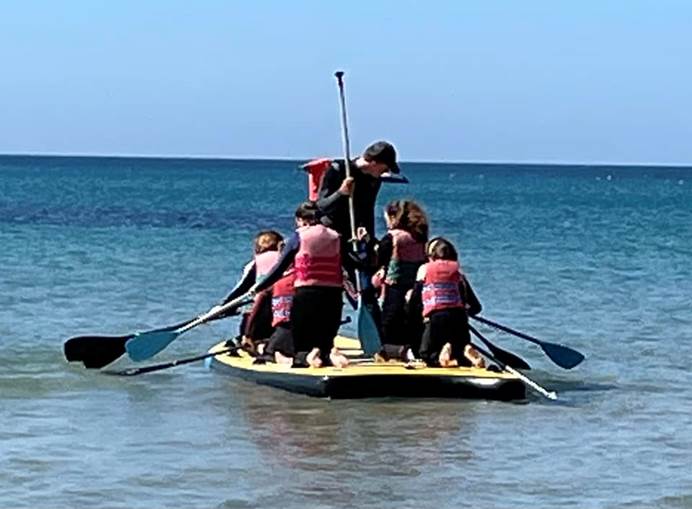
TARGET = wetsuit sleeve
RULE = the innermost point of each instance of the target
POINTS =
(329, 197)
(415, 303)
(245, 283)
(384, 251)
(474, 305)
(288, 254)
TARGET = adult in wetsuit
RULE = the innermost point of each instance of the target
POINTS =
(364, 184)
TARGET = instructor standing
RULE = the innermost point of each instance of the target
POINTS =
(333, 202)
(364, 183)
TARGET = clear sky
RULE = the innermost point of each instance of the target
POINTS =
(465, 80)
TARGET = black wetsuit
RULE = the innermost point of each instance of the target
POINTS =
(334, 205)
(396, 330)
(255, 324)
(335, 208)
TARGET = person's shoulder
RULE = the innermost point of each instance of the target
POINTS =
(422, 271)
(337, 165)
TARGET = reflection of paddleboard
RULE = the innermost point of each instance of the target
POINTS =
(365, 378)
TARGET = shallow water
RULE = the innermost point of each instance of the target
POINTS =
(598, 258)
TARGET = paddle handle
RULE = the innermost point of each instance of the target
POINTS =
(216, 311)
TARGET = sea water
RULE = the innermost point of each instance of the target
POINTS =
(595, 257)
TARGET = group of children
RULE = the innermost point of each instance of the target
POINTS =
(298, 286)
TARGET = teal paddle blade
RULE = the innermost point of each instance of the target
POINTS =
(368, 334)
(147, 344)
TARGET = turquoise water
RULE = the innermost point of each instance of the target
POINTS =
(599, 258)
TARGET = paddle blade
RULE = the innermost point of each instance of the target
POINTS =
(563, 356)
(95, 351)
(368, 334)
(145, 345)
(508, 357)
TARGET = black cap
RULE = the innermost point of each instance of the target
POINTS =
(382, 152)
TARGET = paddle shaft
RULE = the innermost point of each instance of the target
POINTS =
(166, 365)
(562, 355)
(347, 162)
(507, 329)
(216, 311)
(541, 390)
(506, 356)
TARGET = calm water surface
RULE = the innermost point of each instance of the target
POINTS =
(599, 258)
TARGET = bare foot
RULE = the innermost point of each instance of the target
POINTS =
(247, 344)
(477, 360)
(338, 359)
(445, 358)
(313, 358)
(379, 358)
(280, 358)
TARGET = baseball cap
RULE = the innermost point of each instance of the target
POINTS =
(382, 152)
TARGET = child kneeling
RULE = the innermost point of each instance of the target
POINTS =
(445, 299)
(315, 313)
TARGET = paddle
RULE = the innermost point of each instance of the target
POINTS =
(563, 356)
(505, 356)
(544, 392)
(368, 333)
(171, 364)
(99, 351)
(145, 345)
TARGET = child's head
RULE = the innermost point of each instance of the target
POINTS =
(409, 216)
(307, 214)
(267, 240)
(441, 249)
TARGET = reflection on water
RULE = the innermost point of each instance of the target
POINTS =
(315, 434)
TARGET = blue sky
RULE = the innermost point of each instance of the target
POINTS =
(542, 81)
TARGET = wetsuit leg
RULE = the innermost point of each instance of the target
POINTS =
(444, 326)
(259, 323)
(328, 303)
(281, 341)
(315, 317)
(394, 316)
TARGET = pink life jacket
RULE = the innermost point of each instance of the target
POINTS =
(408, 254)
(282, 298)
(264, 263)
(318, 261)
(441, 286)
(316, 170)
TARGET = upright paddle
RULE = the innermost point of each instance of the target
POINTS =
(505, 356)
(145, 345)
(530, 383)
(563, 356)
(368, 333)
